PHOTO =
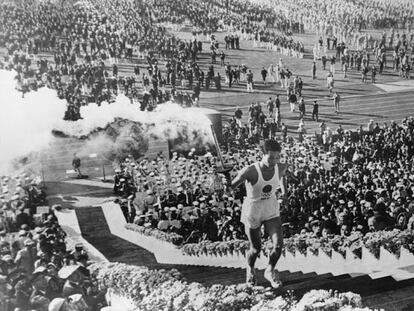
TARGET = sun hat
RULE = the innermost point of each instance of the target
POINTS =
(56, 304)
(67, 271)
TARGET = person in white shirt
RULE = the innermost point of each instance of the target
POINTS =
(261, 207)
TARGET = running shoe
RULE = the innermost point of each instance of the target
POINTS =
(273, 277)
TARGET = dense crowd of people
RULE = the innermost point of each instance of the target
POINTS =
(85, 42)
(369, 59)
(337, 183)
(344, 19)
(362, 181)
(87, 49)
(37, 269)
(20, 198)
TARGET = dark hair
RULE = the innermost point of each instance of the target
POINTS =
(271, 145)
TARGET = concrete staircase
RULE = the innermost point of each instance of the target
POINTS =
(96, 231)
(92, 222)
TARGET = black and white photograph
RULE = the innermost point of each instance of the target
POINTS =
(206, 155)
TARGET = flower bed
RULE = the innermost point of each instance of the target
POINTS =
(392, 241)
(216, 248)
(173, 238)
(166, 290)
(377, 252)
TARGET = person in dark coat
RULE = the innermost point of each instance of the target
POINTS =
(315, 111)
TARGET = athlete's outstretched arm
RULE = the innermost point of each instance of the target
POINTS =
(241, 177)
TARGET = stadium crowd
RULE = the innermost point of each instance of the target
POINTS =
(359, 181)
(84, 44)
(338, 183)
(86, 47)
(37, 269)
(344, 20)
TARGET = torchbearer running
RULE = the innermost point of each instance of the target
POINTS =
(261, 207)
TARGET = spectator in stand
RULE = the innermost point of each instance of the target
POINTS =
(342, 182)
(37, 272)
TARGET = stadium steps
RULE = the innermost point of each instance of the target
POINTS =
(116, 249)
(96, 231)
(119, 250)
(392, 300)
(92, 222)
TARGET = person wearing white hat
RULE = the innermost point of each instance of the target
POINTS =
(261, 207)
(73, 280)
(73, 302)
(39, 299)
(26, 257)
(56, 304)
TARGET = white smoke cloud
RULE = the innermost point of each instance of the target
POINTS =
(168, 121)
(26, 124)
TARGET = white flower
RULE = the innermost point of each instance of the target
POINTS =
(138, 288)
(276, 304)
(352, 299)
(349, 308)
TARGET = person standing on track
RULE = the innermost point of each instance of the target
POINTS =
(336, 100)
(314, 70)
(315, 111)
(76, 164)
(264, 75)
(270, 107)
(250, 82)
(261, 207)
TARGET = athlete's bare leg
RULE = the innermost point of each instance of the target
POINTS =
(273, 227)
(254, 236)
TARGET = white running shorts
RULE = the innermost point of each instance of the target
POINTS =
(255, 213)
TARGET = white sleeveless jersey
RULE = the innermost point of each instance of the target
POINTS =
(262, 189)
